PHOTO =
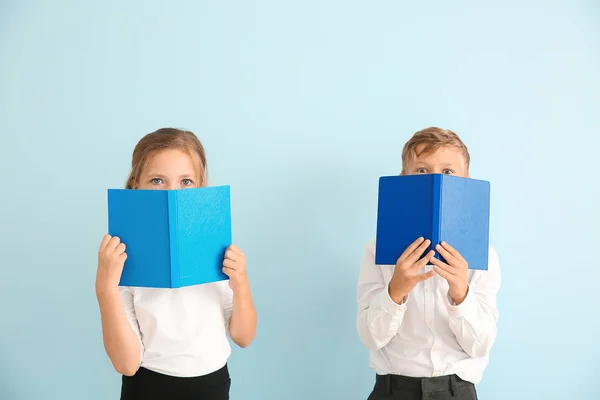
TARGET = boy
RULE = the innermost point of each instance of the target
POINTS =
(429, 325)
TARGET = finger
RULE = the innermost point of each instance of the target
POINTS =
(423, 261)
(228, 271)
(410, 249)
(442, 265)
(444, 274)
(113, 243)
(419, 251)
(236, 249)
(120, 249)
(425, 276)
(105, 241)
(122, 257)
(450, 259)
(230, 264)
(452, 251)
(232, 255)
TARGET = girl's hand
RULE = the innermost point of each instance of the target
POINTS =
(111, 258)
(234, 266)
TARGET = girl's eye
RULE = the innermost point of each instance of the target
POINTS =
(448, 172)
(156, 181)
(422, 170)
(186, 182)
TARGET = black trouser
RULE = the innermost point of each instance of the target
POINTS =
(150, 385)
(396, 387)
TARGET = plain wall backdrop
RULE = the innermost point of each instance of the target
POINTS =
(301, 105)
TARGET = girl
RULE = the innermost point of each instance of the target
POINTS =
(172, 343)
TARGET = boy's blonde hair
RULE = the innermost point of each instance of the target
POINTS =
(430, 140)
(166, 139)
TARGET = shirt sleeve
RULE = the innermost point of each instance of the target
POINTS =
(379, 317)
(474, 320)
(127, 299)
(227, 301)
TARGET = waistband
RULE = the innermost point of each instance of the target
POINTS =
(391, 383)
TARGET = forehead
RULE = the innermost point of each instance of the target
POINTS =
(444, 154)
(170, 160)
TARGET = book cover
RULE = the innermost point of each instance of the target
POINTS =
(437, 207)
(174, 238)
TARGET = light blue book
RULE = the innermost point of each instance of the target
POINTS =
(174, 238)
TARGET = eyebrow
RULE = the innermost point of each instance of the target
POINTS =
(421, 164)
(186, 176)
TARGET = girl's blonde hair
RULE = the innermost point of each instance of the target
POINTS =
(166, 139)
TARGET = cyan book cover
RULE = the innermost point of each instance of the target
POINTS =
(173, 238)
(437, 207)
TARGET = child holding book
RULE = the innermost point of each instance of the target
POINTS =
(172, 343)
(429, 324)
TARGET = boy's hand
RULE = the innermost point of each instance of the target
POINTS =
(234, 266)
(407, 272)
(454, 270)
(111, 258)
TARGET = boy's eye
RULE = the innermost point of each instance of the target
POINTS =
(422, 170)
(448, 172)
(156, 181)
(186, 182)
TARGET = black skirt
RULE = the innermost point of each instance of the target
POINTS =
(150, 385)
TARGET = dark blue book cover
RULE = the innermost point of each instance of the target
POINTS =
(174, 238)
(437, 207)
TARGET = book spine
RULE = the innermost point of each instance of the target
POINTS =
(173, 238)
(436, 229)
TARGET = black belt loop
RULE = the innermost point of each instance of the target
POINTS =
(384, 383)
(452, 383)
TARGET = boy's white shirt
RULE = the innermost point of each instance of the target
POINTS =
(427, 335)
(183, 332)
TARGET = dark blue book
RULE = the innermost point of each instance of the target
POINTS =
(173, 238)
(437, 207)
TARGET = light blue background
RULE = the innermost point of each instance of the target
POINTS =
(301, 106)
